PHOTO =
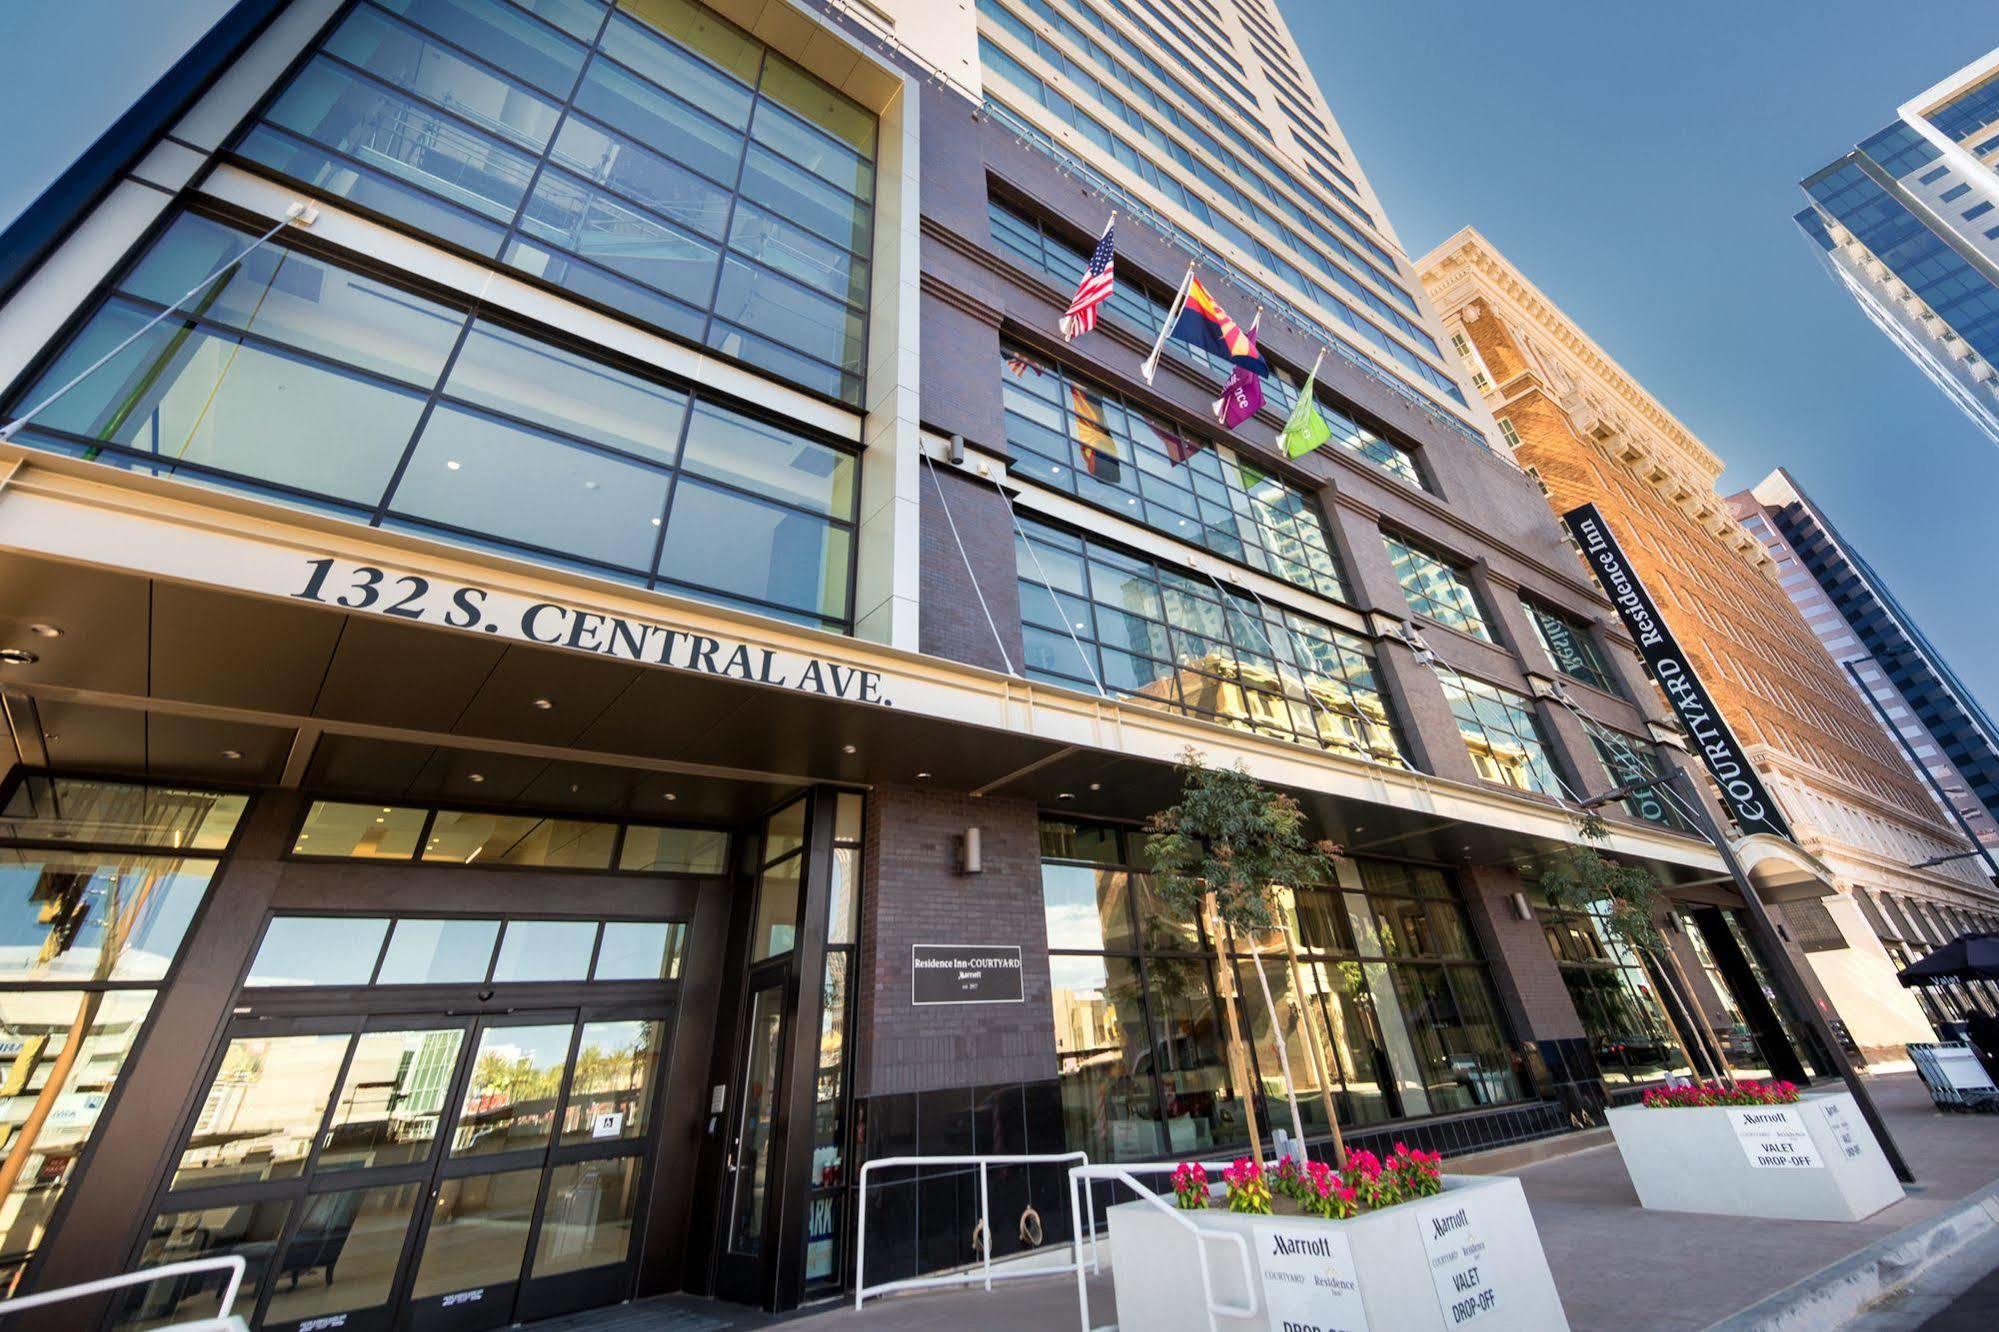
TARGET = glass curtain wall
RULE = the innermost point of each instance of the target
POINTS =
(1571, 646)
(1628, 761)
(1078, 437)
(303, 380)
(100, 882)
(1435, 587)
(1187, 644)
(1387, 1007)
(1614, 992)
(645, 156)
(1499, 728)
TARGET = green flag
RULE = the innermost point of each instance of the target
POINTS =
(1306, 430)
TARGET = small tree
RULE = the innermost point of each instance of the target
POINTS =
(1218, 853)
(1582, 880)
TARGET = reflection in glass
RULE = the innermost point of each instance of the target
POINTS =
(1292, 1019)
(1435, 588)
(250, 1230)
(344, 1253)
(437, 952)
(1500, 730)
(843, 907)
(510, 1101)
(68, 916)
(545, 950)
(649, 850)
(1087, 909)
(1203, 1108)
(777, 909)
(359, 832)
(611, 1088)
(1455, 1031)
(73, 809)
(519, 839)
(751, 1176)
(478, 1233)
(639, 950)
(587, 1221)
(262, 1112)
(1105, 1071)
(390, 1103)
(68, 1050)
(319, 950)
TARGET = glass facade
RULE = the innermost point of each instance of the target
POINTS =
(644, 156)
(1142, 310)
(1502, 733)
(1571, 646)
(351, 830)
(1078, 437)
(826, 1206)
(1151, 633)
(88, 935)
(1387, 1009)
(1436, 589)
(1615, 995)
(304, 380)
(1628, 761)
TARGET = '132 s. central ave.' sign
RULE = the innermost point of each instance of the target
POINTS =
(408, 596)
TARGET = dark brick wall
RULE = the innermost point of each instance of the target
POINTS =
(913, 896)
(953, 623)
(1524, 969)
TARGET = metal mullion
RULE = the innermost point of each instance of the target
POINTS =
(236, 156)
(521, 11)
(735, 193)
(512, 228)
(542, 1186)
(444, 111)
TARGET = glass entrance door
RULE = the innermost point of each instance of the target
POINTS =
(751, 1183)
(422, 1172)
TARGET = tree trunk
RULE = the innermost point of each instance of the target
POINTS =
(1319, 1058)
(1693, 1004)
(1239, 1064)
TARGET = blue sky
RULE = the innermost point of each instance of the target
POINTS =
(1638, 162)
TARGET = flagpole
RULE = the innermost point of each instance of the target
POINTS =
(1151, 365)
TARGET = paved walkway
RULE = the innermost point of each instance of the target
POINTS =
(1617, 1266)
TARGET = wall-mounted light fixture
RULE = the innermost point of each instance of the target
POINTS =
(1521, 910)
(966, 846)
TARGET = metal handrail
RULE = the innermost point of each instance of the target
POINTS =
(985, 1270)
(222, 1321)
(1123, 1174)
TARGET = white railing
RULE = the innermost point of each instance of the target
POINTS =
(984, 1271)
(221, 1321)
(1126, 1174)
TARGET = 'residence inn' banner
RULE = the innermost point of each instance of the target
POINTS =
(1750, 804)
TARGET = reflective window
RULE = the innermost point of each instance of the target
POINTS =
(478, 1232)
(1502, 733)
(1436, 589)
(513, 839)
(392, 1099)
(1091, 612)
(1077, 437)
(260, 1115)
(250, 1230)
(82, 916)
(639, 950)
(438, 952)
(1615, 995)
(70, 809)
(359, 832)
(1627, 761)
(527, 445)
(674, 850)
(1108, 1104)
(443, 115)
(319, 950)
(613, 1081)
(1571, 646)
(826, 1207)
(545, 950)
(587, 1221)
(510, 1099)
(357, 1233)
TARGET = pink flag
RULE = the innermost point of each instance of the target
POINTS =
(1242, 398)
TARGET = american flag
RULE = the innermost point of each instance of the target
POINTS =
(1095, 288)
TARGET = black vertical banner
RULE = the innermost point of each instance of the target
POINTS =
(1753, 809)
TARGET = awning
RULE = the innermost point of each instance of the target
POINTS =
(1966, 958)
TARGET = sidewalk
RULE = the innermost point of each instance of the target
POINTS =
(1616, 1265)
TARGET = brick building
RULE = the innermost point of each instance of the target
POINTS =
(1590, 433)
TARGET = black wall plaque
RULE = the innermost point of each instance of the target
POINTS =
(966, 973)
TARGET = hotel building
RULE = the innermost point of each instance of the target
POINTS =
(580, 658)
(1908, 224)
(1589, 433)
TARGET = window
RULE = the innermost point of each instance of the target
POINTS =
(1474, 363)
(1954, 193)
(779, 883)
(1500, 730)
(524, 444)
(87, 934)
(1629, 761)
(646, 158)
(309, 951)
(1973, 214)
(1436, 589)
(1156, 635)
(1089, 442)
(824, 1261)
(350, 830)
(1571, 645)
(1508, 433)
(1389, 997)
(1616, 996)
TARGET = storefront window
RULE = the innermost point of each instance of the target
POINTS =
(1615, 996)
(1380, 1001)
(829, 1196)
(1499, 728)
(86, 936)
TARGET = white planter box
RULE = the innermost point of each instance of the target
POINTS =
(1468, 1257)
(1812, 1161)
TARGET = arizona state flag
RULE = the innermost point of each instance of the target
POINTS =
(1099, 449)
(1197, 319)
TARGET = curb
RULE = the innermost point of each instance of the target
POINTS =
(1833, 1296)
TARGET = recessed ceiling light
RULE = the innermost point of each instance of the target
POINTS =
(475, 776)
(671, 796)
(17, 657)
(51, 739)
(232, 754)
(387, 810)
(849, 749)
(380, 819)
(543, 704)
(1096, 786)
(45, 631)
(452, 463)
(922, 776)
(1066, 795)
